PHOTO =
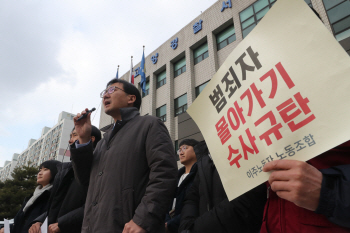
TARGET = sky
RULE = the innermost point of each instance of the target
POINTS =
(58, 56)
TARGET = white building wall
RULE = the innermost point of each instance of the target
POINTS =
(213, 22)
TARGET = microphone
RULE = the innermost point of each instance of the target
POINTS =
(85, 114)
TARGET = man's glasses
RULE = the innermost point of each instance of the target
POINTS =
(110, 90)
(183, 149)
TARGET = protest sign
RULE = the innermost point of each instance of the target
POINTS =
(283, 93)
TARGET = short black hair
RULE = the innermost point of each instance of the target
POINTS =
(97, 134)
(52, 166)
(188, 142)
(129, 89)
(201, 150)
(94, 132)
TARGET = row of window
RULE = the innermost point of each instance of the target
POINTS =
(180, 104)
(338, 12)
(252, 15)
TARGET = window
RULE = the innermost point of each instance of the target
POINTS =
(161, 113)
(251, 16)
(180, 104)
(161, 79)
(180, 67)
(146, 90)
(226, 37)
(338, 12)
(200, 53)
(308, 2)
(200, 88)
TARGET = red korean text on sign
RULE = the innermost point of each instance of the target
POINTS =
(246, 149)
(222, 130)
(289, 105)
(274, 130)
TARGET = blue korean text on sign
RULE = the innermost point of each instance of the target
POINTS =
(226, 5)
(154, 58)
(137, 71)
(173, 44)
(197, 26)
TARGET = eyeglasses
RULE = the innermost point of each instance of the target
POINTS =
(183, 149)
(110, 90)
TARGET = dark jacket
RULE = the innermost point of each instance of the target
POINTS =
(207, 209)
(131, 175)
(67, 201)
(23, 221)
(333, 211)
(181, 191)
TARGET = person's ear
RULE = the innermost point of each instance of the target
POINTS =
(132, 99)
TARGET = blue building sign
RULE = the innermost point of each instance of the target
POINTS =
(173, 44)
(226, 5)
(154, 58)
(197, 26)
(137, 71)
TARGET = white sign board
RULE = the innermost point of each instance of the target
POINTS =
(283, 93)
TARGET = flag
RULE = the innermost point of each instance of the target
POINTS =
(131, 78)
(143, 72)
(116, 77)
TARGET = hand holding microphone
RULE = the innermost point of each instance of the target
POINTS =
(82, 125)
(85, 114)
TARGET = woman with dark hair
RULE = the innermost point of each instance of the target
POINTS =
(37, 203)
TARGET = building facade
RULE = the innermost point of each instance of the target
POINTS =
(178, 70)
(52, 144)
(5, 172)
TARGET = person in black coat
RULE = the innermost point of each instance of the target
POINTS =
(185, 179)
(37, 203)
(207, 209)
(67, 200)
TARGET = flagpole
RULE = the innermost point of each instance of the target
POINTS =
(117, 73)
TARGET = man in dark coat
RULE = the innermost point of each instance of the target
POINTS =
(185, 177)
(132, 172)
(67, 200)
(207, 209)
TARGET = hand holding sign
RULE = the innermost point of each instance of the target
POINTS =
(295, 181)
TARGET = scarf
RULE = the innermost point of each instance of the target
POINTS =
(38, 191)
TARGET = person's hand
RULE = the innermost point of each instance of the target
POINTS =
(166, 228)
(132, 227)
(295, 181)
(53, 228)
(2, 230)
(83, 127)
(35, 228)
